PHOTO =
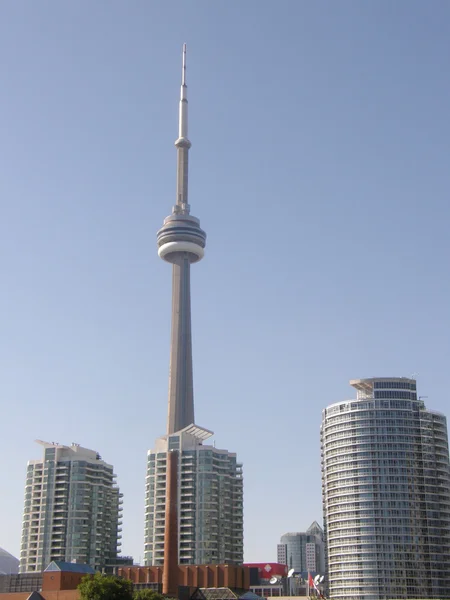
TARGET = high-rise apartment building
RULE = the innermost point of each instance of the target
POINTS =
(210, 486)
(303, 551)
(386, 494)
(210, 500)
(72, 509)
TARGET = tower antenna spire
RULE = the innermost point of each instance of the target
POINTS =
(183, 73)
(183, 143)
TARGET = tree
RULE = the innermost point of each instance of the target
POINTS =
(105, 587)
(147, 594)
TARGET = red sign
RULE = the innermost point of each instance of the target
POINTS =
(268, 570)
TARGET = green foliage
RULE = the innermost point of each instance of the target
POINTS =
(147, 594)
(105, 587)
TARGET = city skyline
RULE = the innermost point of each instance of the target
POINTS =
(329, 123)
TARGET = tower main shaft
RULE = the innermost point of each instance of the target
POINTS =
(181, 242)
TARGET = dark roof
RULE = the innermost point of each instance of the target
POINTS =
(35, 596)
(223, 593)
(67, 567)
(314, 528)
(9, 564)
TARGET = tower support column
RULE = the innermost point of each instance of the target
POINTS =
(181, 389)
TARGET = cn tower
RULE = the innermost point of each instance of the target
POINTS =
(181, 242)
(193, 490)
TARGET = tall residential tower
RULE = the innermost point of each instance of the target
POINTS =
(72, 509)
(386, 494)
(210, 486)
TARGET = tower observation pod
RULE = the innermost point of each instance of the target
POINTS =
(181, 242)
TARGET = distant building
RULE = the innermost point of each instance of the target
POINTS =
(72, 509)
(303, 551)
(211, 501)
(282, 553)
(386, 494)
(9, 564)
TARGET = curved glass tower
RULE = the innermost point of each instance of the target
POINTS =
(386, 494)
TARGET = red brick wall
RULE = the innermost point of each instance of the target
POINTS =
(193, 575)
(57, 580)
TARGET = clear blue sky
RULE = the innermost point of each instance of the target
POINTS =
(320, 171)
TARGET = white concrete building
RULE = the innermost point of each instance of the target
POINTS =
(72, 509)
(210, 501)
(386, 494)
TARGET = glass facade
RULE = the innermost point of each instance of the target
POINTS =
(210, 500)
(72, 510)
(386, 494)
(303, 551)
